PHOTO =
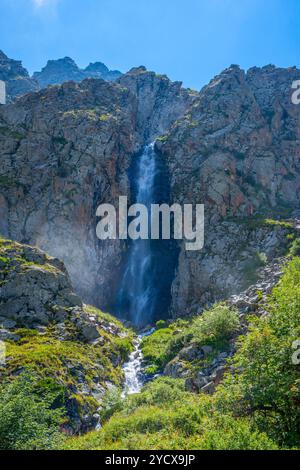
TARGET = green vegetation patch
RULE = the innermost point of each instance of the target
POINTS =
(256, 407)
(165, 416)
(214, 328)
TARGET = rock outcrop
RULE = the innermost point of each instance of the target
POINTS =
(35, 290)
(200, 365)
(16, 77)
(160, 102)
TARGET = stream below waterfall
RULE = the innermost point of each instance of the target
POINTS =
(133, 370)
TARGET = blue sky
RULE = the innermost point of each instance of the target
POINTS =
(189, 40)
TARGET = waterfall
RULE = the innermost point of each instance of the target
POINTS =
(145, 289)
(137, 292)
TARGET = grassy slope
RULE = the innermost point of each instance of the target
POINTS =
(257, 407)
(213, 328)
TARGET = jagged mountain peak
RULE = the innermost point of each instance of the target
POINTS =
(98, 67)
(66, 61)
(16, 77)
(3, 56)
(65, 69)
(55, 72)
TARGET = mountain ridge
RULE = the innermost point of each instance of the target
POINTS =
(55, 72)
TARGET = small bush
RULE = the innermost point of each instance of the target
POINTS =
(295, 248)
(112, 403)
(216, 326)
(27, 421)
(161, 324)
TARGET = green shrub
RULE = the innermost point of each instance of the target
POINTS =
(262, 258)
(216, 326)
(124, 346)
(161, 346)
(295, 248)
(27, 421)
(165, 416)
(111, 404)
(266, 385)
(161, 324)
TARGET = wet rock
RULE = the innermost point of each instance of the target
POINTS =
(218, 374)
(206, 350)
(7, 323)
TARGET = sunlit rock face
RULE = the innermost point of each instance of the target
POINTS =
(236, 151)
(72, 145)
(233, 147)
(160, 102)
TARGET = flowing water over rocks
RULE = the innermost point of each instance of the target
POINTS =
(133, 371)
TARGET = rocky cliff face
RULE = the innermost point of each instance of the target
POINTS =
(72, 144)
(16, 77)
(67, 149)
(233, 147)
(160, 102)
(36, 291)
(63, 70)
(239, 143)
(236, 151)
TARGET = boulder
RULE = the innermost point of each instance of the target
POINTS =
(191, 353)
(36, 291)
(176, 369)
(6, 335)
(209, 388)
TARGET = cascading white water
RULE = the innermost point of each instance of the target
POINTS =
(132, 370)
(137, 290)
(133, 373)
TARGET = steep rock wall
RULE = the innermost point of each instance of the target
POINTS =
(236, 151)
